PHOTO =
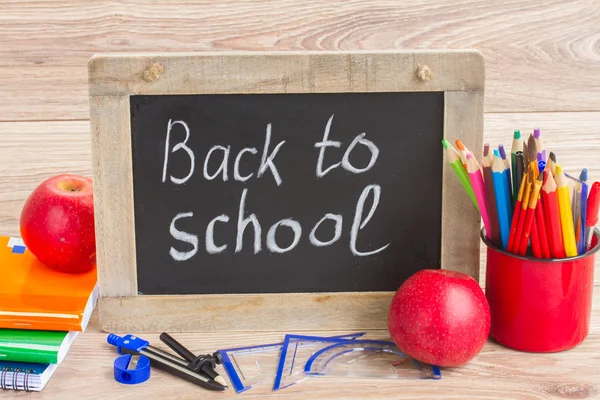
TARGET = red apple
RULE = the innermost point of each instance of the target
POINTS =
(57, 223)
(440, 317)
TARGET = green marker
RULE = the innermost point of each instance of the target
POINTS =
(459, 169)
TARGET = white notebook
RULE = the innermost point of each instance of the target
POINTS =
(29, 377)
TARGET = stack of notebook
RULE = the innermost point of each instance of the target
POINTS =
(41, 313)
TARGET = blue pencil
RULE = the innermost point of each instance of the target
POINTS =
(584, 195)
(503, 203)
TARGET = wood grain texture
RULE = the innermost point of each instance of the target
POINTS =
(496, 373)
(247, 312)
(34, 151)
(540, 56)
(284, 72)
(113, 195)
(460, 219)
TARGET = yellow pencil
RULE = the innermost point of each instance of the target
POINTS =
(566, 218)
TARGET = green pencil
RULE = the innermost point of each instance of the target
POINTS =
(459, 169)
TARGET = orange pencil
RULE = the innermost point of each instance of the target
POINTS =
(516, 214)
(525, 202)
(533, 200)
(551, 209)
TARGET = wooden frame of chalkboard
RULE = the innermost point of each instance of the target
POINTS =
(114, 78)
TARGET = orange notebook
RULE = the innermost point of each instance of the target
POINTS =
(33, 296)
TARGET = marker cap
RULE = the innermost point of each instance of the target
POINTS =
(593, 205)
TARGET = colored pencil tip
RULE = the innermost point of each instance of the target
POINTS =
(517, 134)
(558, 169)
(486, 149)
(460, 144)
(496, 153)
(553, 157)
(469, 156)
(584, 175)
(445, 143)
(502, 151)
(536, 133)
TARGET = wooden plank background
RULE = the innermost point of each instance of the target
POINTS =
(540, 56)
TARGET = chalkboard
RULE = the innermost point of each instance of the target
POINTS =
(277, 190)
(272, 167)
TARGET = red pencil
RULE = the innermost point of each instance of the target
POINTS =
(535, 240)
(553, 225)
(533, 199)
(540, 220)
(516, 214)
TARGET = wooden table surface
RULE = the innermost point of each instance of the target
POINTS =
(496, 373)
(542, 70)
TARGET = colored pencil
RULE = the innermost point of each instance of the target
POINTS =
(504, 157)
(525, 202)
(547, 168)
(540, 221)
(583, 177)
(500, 172)
(551, 208)
(591, 218)
(534, 237)
(463, 151)
(518, 173)
(455, 161)
(576, 211)
(516, 214)
(553, 164)
(517, 146)
(490, 195)
(527, 227)
(474, 171)
(527, 182)
(539, 145)
(566, 219)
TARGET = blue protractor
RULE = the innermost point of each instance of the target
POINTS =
(368, 359)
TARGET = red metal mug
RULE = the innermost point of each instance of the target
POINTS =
(539, 305)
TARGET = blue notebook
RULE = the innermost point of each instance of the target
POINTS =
(25, 376)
